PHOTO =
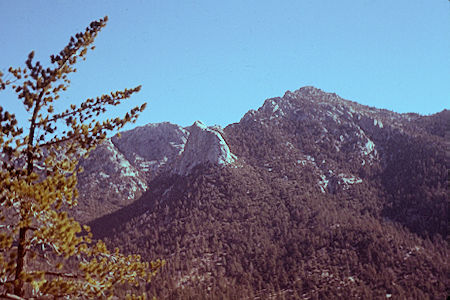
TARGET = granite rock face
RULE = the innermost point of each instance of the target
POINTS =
(205, 145)
(108, 182)
(119, 170)
(152, 147)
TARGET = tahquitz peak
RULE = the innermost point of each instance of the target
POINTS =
(310, 196)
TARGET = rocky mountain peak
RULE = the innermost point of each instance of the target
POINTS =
(150, 147)
(204, 145)
(310, 91)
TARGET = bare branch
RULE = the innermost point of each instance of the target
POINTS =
(56, 142)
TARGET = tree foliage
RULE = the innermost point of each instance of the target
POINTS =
(43, 251)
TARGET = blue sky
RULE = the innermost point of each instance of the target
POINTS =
(215, 60)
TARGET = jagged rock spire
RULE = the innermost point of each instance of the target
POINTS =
(204, 145)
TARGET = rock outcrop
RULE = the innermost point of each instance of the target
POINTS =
(205, 145)
(108, 182)
(119, 170)
(151, 147)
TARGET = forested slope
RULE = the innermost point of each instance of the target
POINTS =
(326, 199)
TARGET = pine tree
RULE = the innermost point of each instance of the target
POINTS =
(43, 251)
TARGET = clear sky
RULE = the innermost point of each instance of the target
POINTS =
(214, 60)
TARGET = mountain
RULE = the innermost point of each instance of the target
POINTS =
(311, 196)
(119, 170)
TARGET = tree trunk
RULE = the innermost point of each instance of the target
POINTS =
(18, 282)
